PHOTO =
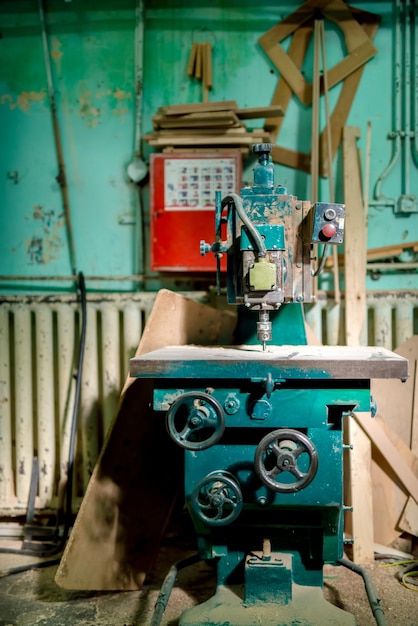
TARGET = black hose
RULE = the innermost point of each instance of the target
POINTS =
(58, 547)
(24, 568)
(167, 587)
(372, 594)
(255, 235)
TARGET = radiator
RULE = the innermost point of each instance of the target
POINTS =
(38, 351)
(39, 339)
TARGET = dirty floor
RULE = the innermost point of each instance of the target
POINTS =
(32, 598)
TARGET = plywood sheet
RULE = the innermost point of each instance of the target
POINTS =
(129, 500)
(326, 362)
(395, 399)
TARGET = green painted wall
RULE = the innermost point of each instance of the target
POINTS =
(92, 52)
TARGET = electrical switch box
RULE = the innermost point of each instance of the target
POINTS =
(182, 206)
(328, 223)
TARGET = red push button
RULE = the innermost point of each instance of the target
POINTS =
(329, 230)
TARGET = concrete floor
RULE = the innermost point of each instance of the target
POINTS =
(33, 599)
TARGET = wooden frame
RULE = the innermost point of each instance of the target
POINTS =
(369, 22)
(360, 47)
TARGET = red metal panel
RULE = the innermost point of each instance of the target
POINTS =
(182, 207)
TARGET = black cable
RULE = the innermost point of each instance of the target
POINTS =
(55, 549)
(24, 568)
(372, 595)
(167, 587)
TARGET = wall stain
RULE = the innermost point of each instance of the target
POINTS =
(24, 100)
(45, 244)
(119, 94)
(57, 54)
(88, 112)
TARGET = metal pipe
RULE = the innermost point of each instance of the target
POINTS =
(396, 128)
(45, 402)
(414, 74)
(23, 395)
(72, 277)
(6, 484)
(391, 266)
(110, 363)
(89, 392)
(66, 388)
(406, 86)
(61, 178)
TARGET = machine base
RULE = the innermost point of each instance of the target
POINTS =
(308, 607)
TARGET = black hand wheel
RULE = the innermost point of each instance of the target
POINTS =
(287, 454)
(217, 499)
(195, 421)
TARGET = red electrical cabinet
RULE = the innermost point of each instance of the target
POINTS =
(182, 207)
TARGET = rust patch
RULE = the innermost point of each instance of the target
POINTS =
(6, 98)
(120, 94)
(87, 111)
(24, 100)
(45, 245)
(103, 94)
(121, 111)
(57, 54)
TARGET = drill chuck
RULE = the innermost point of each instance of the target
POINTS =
(264, 328)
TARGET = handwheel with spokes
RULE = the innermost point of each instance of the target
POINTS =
(286, 460)
(195, 421)
(217, 499)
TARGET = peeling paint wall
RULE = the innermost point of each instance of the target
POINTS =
(92, 47)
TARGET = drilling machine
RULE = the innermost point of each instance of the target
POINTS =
(261, 422)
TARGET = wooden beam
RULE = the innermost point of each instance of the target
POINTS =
(198, 107)
(359, 45)
(338, 118)
(358, 492)
(355, 242)
(382, 442)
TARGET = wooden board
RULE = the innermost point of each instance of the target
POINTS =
(246, 139)
(130, 497)
(198, 107)
(358, 491)
(216, 118)
(389, 495)
(296, 362)
(260, 112)
(409, 519)
(355, 242)
(395, 400)
(399, 466)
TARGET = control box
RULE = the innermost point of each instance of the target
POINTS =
(328, 223)
(182, 206)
